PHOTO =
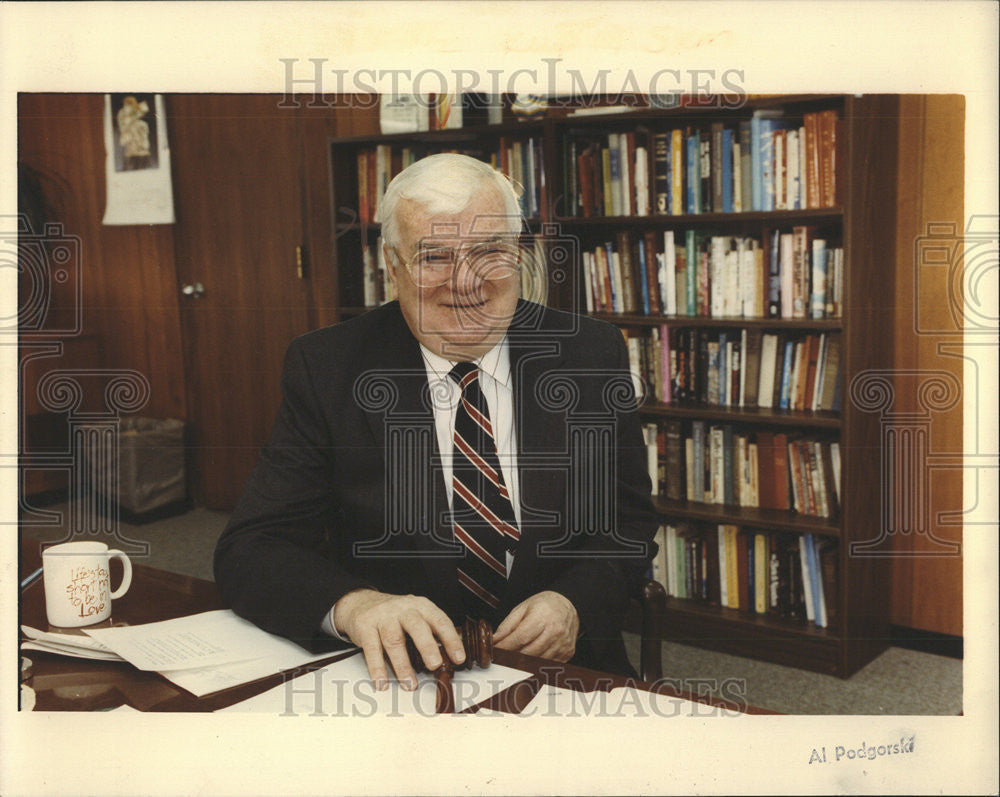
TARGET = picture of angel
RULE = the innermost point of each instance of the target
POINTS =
(134, 120)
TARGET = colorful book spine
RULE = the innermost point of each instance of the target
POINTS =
(756, 163)
(677, 172)
(643, 278)
(615, 173)
(641, 196)
(617, 300)
(661, 173)
(761, 572)
(828, 158)
(807, 590)
(668, 272)
(723, 566)
(732, 567)
(698, 465)
(626, 166)
(693, 176)
(817, 297)
(705, 169)
(815, 581)
(774, 276)
(728, 187)
(691, 273)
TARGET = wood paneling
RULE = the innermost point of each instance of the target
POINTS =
(126, 273)
(927, 582)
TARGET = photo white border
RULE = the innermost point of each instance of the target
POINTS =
(783, 47)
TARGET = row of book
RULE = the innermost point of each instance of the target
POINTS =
(762, 572)
(764, 163)
(606, 175)
(790, 274)
(520, 159)
(718, 464)
(738, 367)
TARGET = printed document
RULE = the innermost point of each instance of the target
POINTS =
(344, 688)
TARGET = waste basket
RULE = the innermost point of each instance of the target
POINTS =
(150, 465)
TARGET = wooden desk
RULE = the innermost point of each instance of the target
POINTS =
(67, 684)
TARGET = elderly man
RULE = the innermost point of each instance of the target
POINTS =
(458, 453)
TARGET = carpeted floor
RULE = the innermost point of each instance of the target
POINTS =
(898, 682)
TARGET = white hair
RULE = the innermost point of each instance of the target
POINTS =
(445, 184)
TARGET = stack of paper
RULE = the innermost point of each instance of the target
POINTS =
(205, 653)
(75, 645)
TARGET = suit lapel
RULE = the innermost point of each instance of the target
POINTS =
(391, 385)
(541, 438)
(394, 395)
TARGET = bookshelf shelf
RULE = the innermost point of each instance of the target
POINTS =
(775, 218)
(724, 107)
(764, 416)
(779, 640)
(440, 139)
(859, 223)
(375, 227)
(746, 516)
(768, 623)
(632, 319)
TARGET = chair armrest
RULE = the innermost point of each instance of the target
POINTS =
(653, 600)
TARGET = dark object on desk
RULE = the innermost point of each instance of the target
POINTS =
(477, 639)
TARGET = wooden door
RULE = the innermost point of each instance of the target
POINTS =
(238, 199)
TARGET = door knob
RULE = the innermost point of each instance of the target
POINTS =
(197, 290)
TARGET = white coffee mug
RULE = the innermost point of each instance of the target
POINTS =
(78, 582)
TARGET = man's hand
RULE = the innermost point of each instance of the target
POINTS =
(544, 625)
(377, 622)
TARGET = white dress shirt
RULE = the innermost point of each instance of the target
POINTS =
(498, 390)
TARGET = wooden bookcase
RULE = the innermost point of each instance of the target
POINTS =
(864, 220)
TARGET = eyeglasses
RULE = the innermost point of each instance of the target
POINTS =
(495, 259)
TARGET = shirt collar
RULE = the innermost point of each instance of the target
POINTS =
(496, 363)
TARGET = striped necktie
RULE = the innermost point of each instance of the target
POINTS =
(483, 519)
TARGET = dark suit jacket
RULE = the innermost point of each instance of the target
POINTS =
(347, 492)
